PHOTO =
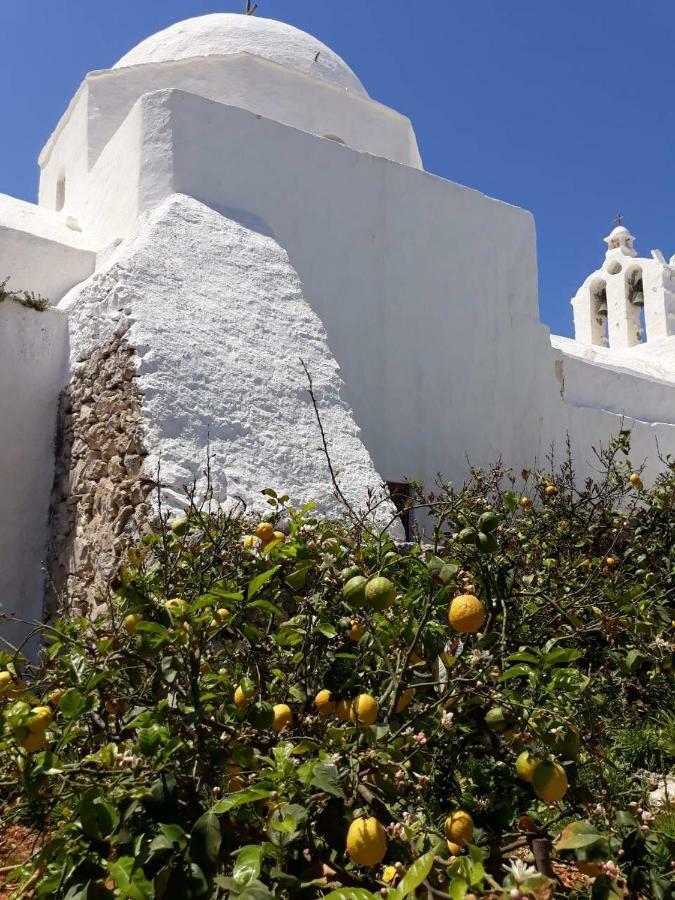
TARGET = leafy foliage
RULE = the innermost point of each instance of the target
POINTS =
(154, 776)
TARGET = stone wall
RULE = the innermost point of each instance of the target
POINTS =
(100, 497)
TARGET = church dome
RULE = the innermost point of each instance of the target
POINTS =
(222, 34)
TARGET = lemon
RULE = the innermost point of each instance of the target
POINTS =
(283, 717)
(466, 614)
(380, 593)
(550, 782)
(131, 622)
(364, 710)
(179, 527)
(279, 536)
(343, 709)
(242, 699)
(176, 607)
(33, 741)
(404, 700)
(324, 704)
(526, 764)
(354, 590)
(551, 490)
(459, 827)
(366, 842)
(55, 696)
(635, 480)
(6, 680)
(40, 719)
(265, 532)
(355, 632)
(249, 541)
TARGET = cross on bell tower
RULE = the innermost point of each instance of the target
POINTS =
(250, 8)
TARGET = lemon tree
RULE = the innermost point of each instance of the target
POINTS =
(303, 708)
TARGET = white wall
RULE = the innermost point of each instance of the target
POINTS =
(218, 320)
(38, 252)
(106, 98)
(33, 354)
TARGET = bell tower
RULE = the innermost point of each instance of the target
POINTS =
(629, 300)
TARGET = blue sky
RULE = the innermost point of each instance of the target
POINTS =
(565, 109)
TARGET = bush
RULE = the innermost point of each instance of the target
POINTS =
(238, 724)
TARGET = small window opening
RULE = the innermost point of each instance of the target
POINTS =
(601, 331)
(60, 192)
(401, 497)
(636, 296)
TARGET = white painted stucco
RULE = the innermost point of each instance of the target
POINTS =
(222, 34)
(40, 251)
(218, 319)
(33, 352)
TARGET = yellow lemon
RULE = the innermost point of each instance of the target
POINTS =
(279, 536)
(466, 614)
(459, 827)
(551, 490)
(343, 710)
(526, 764)
(550, 782)
(525, 502)
(131, 622)
(355, 633)
(249, 541)
(404, 700)
(364, 710)
(6, 680)
(265, 532)
(324, 704)
(283, 717)
(241, 698)
(176, 607)
(611, 562)
(33, 741)
(366, 842)
(635, 480)
(40, 719)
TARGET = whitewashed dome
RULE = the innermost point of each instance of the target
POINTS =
(222, 34)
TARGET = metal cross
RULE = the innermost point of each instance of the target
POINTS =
(250, 8)
(619, 219)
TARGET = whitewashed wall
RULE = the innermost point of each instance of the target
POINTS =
(38, 252)
(33, 356)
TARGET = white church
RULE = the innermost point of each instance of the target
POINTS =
(227, 203)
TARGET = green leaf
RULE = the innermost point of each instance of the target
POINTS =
(240, 798)
(248, 863)
(296, 579)
(256, 583)
(326, 629)
(72, 703)
(415, 875)
(131, 882)
(267, 606)
(350, 894)
(521, 671)
(577, 835)
(205, 840)
(98, 817)
(458, 889)
(325, 777)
